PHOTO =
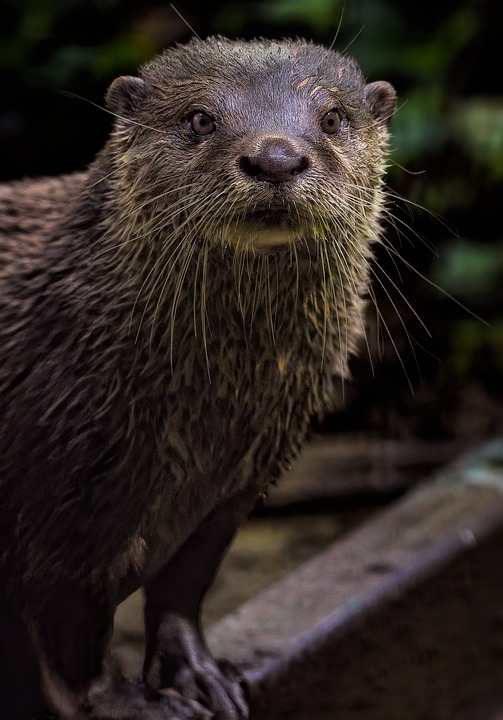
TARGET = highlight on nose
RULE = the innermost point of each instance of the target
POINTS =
(276, 161)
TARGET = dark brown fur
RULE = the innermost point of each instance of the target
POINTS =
(170, 321)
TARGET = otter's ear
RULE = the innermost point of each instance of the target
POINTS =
(380, 98)
(125, 96)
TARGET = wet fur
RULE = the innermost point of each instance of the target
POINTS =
(157, 361)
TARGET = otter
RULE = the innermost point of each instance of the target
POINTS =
(171, 321)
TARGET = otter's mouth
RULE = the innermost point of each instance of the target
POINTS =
(269, 229)
(262, 231)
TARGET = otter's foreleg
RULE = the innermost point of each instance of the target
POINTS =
(71, 633)
(20, 694)
(176, 652)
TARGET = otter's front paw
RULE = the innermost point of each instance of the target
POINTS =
(202, 679)
(186, 666)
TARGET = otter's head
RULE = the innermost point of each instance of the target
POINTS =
(253, 145)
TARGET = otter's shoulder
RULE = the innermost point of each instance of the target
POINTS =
(29, 207)
(35, 200)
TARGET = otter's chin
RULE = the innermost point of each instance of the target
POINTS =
(259, 237)
(272, 238)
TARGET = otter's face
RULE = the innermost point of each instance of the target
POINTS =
(255, 146)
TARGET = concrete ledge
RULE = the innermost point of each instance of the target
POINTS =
(400, 620)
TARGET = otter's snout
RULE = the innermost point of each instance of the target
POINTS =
(276, 160)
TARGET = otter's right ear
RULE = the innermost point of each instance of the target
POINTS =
(380, 98)
(125, 96)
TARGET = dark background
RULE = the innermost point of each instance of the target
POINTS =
(441, 383)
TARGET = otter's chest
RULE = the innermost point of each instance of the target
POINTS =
(235, 401)
(220, 438)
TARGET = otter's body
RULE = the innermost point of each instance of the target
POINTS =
(170, 322)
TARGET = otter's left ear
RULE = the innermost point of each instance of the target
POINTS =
(380, 97)
(125, 96)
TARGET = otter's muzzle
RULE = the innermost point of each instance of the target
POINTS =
(275, 160)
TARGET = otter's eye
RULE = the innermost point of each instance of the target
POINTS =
(331, 122)
(202, 124)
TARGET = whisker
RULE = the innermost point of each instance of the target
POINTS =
(109, 112)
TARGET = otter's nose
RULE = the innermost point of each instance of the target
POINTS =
(277, 160)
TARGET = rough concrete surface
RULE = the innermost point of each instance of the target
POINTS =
(402, 619)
